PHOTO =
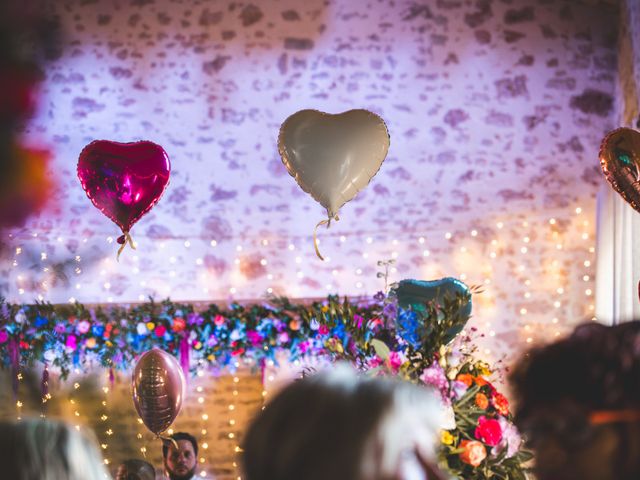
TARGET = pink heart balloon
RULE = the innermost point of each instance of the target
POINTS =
(124, 180)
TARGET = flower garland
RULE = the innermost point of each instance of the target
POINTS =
(376, 335)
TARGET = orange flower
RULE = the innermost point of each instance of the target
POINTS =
(501, 403)
(294, 325)
(481, 382)
(474, 452)
(465, 378)
(482, 401)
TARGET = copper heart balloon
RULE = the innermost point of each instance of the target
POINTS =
(124, 180)
(158, 389)
(333, 157)
(620, 162)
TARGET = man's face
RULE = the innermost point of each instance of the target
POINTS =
(122, 473)
(181, 463)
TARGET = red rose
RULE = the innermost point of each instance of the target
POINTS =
(501, 403)
(489, 431)
(178, 324)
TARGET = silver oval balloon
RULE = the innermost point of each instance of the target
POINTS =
(158, 389)
(333, 157)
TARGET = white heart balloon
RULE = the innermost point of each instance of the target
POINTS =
(333, 157)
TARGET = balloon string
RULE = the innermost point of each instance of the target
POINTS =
(168, 439)
(127, 239)
(326, 222)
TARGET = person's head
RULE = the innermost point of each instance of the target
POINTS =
(35, 449)
(578, 404)
(135, 469)
(341, 426)
(180, 463)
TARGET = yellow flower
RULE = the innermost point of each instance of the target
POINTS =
(151, 326)
(210, 357)
(108, 343)
(325, 308)
(483, 368)
(334, 345)
(446, 437)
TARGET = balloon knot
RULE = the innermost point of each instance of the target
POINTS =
(121, 240)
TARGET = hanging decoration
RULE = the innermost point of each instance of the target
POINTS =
(620, 162)
(158, 389)
(124, 180)
(333, 157)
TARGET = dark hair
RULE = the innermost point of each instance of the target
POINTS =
(140, 467)
(180, 436)
(596, 367)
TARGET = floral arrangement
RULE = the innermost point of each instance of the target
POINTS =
(384, 336)
(417, 343)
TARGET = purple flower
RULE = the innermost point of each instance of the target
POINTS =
(59, 328)
(511, 439)
(458, 389)
(358, 320)
(83, 327)
(4, 336)
(390, 311)
(379, 296)
(194, 319)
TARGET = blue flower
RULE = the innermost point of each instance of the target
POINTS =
(40, 321)
(97, 330)
(408, 327)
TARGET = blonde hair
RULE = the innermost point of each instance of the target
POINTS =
(35, 449)
(341, 426)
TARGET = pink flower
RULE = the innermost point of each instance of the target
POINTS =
(283, 337)
(254, 337)
(375, 361)
(396, 359)
(4, 336)
(71, 342)
(83, 327)
(489, 431)
(323, 330)
(160, 330)
(219, 320)
(358, 320)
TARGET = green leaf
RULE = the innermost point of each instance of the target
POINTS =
(381, 348)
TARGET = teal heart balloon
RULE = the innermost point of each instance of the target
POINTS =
(416, 294)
